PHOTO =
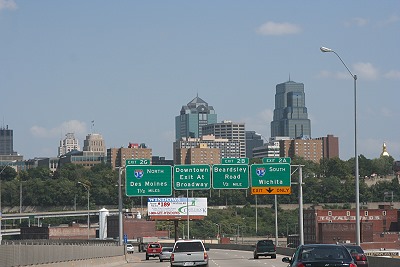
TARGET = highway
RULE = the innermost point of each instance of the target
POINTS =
(217, 258)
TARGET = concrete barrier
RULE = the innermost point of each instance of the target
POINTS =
(95, 255)
(25, 254)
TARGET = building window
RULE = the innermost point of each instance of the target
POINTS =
(384, 213)
(366, 213)
(329, 213)
(348, 213)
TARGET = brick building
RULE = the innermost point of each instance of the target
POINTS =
(71, 231)
(132, 226)
(378, 226)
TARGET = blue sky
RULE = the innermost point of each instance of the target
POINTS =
(131, 65)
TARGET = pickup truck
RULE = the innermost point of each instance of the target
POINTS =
(153, 250)
(265, 248)
(189, 253)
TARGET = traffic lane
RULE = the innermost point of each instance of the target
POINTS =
(217, 258)
(239, 258)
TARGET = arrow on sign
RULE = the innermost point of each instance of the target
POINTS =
(272, 190)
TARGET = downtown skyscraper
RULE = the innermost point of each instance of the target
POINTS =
(196, 114)
(290, 114)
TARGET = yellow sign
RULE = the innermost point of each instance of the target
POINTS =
(272, 190)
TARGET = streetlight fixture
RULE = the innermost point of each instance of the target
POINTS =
(1, 213)
(358, 226)
(87, 187)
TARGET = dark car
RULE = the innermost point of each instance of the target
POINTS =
(320, 255)
(265, 248)
(358, 255)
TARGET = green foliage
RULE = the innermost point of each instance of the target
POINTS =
(382, 165)
(236, 222)
(329, 181)
(7, 173)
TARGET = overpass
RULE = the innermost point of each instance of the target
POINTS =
(48, 214)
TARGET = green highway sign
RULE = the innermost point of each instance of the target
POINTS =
(192, 177)
(137, 162)
(148, 180)
(270, 175)
(235, 160)
(233, 176)
(276, 160)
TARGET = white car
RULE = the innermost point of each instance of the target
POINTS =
(130, 248)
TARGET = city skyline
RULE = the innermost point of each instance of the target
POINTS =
(130, 67)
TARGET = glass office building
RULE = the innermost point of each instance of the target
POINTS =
(290, 114)
(196, 114)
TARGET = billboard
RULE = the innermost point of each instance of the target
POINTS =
(170, 206)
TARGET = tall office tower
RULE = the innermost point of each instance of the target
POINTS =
(253, 140)
(234, 132)
(68, 144)
(228, 149)
(193, 116)
(290, 114)
(94, 143)
(6, 141)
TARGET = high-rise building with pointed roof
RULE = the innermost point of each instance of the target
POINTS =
(290, 114)
(196, 114)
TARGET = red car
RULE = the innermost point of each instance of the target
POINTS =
(153, 250)
(358, 255)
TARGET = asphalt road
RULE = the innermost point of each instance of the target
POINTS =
(217, 258)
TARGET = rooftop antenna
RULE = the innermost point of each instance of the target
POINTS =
(92, 126)
(289, 77)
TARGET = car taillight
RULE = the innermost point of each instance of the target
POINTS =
(300, 265)
(172, 257)
(205, 255)
(361, 258)
(352, 265)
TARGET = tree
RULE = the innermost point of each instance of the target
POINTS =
(383, 165)
(8, 173)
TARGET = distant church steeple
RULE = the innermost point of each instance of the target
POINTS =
(384, 151)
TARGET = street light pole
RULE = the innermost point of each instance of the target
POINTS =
(218, 232)
(120, 169)
(88, 210)
(358, 226)
(1, 211)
